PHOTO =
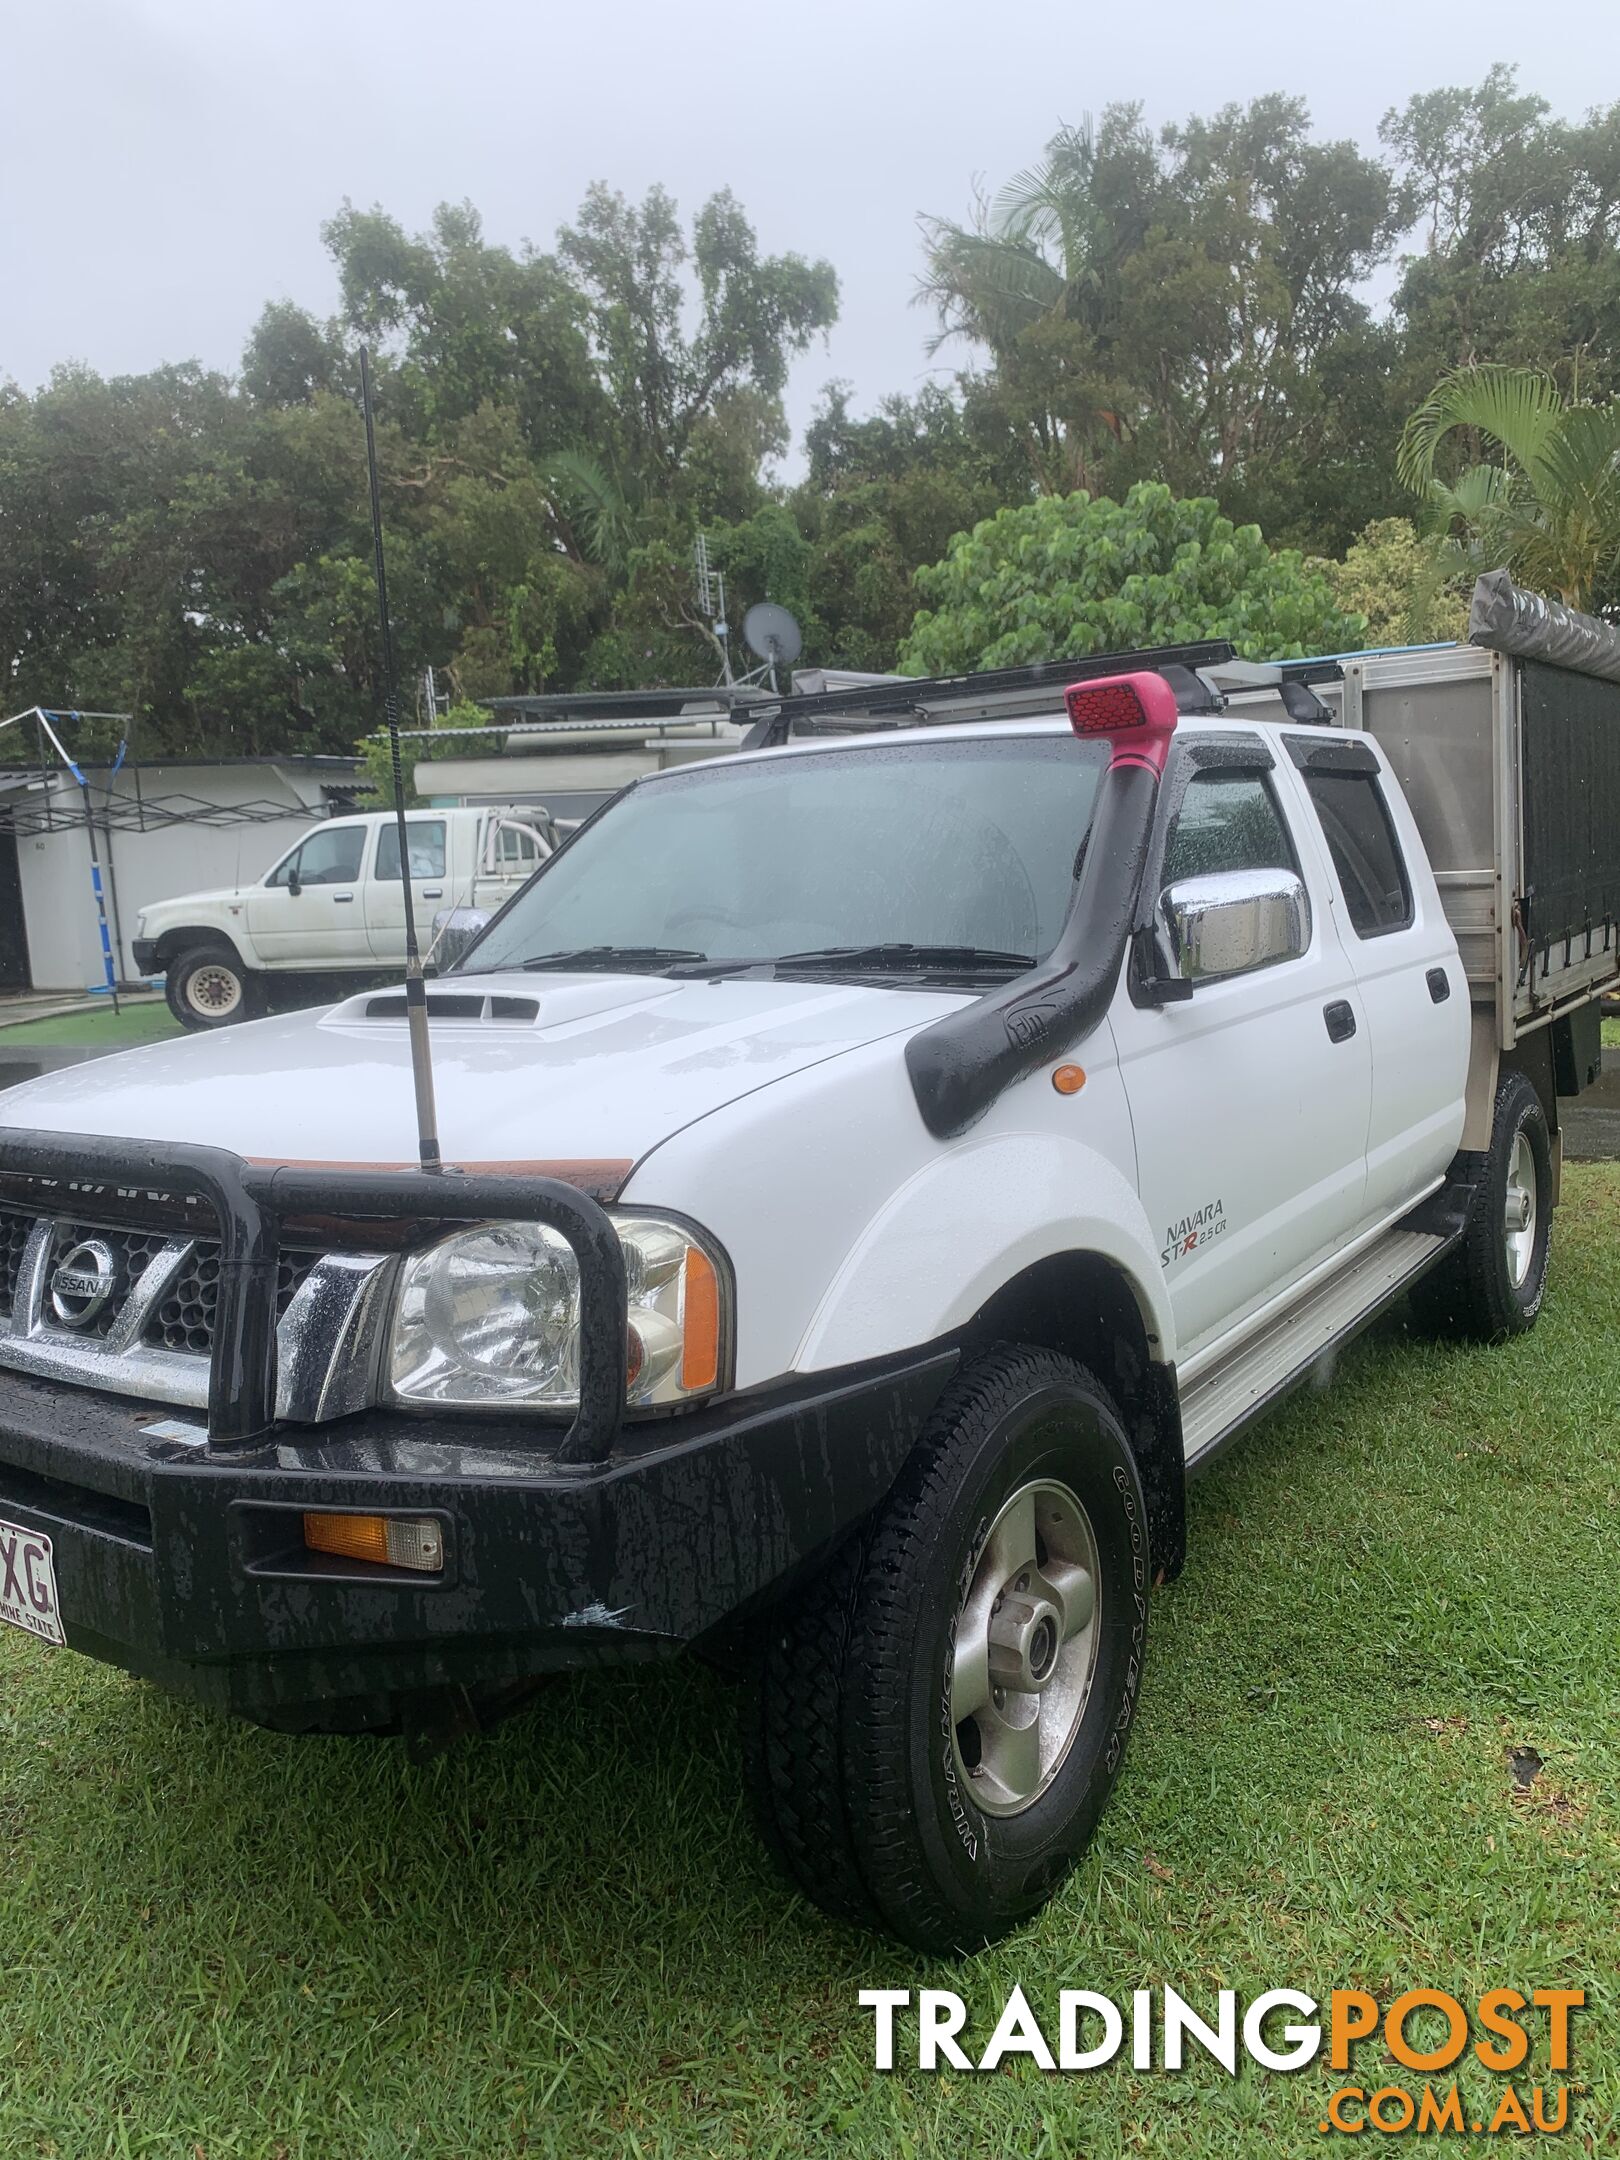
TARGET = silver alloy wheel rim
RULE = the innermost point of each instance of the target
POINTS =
(213, 991)
(1519, 1210)
(1025, 1652)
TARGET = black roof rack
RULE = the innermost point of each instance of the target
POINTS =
(665, 704)
(994, 693)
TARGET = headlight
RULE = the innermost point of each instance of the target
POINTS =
(491, 1316)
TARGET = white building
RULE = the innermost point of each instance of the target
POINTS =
(573, 749)
(571, 752)
(175, 825)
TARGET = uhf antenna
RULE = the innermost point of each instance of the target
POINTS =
(416, 1018)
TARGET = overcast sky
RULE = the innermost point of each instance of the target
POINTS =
(169, 162)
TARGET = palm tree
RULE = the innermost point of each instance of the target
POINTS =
(594, 517)
(1045, 250)
(1546, 507)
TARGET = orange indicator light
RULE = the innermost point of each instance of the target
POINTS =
(401, 1541)
(700, 1349)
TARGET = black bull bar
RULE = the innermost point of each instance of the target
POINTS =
(250, 1203)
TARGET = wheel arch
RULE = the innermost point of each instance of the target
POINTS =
(172, 943)
(1087, 1306)
(971, 1250)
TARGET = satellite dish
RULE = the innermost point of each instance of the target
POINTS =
(771, 634)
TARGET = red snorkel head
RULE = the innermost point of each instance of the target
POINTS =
(1135, 713)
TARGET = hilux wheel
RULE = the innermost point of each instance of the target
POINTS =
(1492, 1283)
(208, 987)
(938, 1720)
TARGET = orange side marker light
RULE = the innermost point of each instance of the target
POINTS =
(700, 1347)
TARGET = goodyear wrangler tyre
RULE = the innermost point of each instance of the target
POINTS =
(940, 1719)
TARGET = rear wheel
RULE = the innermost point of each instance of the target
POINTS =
(939, 1718)
(208, 987)
(1492, 1284)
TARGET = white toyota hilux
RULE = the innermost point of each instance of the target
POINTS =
(331, 911)
(884, 1166)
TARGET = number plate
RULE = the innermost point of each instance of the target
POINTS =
(28, 1583)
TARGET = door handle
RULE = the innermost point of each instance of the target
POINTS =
(432, 892)
(1439, 985)
(1341, 1020)
(342, 899)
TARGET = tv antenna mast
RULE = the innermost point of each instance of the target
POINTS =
(435, 702)
(711, 600)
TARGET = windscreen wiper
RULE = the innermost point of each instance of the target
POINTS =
(898, 958)
(633, 959)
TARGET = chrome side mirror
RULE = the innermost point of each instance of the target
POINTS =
(1232, 921)
(453, 931)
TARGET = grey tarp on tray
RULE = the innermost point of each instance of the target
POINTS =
(1509, 620)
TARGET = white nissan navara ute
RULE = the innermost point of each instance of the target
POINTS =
(881, 1167)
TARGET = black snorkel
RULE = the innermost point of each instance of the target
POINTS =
(961, 1064)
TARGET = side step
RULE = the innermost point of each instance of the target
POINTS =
(1224, 1399)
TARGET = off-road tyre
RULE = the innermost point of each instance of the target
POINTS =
(848, 1738)
(207, 987)
(1473, 1293)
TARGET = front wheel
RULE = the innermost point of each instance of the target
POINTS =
(939, 1719)
(208, 987)
(1492, 1283)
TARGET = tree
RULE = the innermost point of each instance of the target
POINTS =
(1065, 576)
(658, 634)
(1244, 288)
(754, 314)
(1161, 307)
(1183, 307)
(1520, 218)
(468, 324)
(1547, 507)
(1035, 280)
(1387, 576)
(884, 494)
(290, 357)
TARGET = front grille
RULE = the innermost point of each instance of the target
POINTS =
(184, 1320)
(14, 1231)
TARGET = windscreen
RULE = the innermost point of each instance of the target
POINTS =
(964, 843)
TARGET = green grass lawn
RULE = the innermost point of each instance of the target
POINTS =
(1611, 1034)
(100, 1027)
(564, 1940)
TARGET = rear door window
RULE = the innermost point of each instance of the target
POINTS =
(424, 842)
(1366, 854)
